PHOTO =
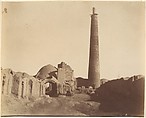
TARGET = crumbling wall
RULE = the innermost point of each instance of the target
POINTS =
(66, 78)
(21, 84)
(65, 72)
(61, 75)
(6, 80)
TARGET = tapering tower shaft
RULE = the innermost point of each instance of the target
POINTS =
(94, 72)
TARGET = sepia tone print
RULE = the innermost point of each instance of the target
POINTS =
(99, 51)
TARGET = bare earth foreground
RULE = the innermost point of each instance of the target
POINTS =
(76, 105)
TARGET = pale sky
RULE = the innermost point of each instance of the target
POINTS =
(35, 34)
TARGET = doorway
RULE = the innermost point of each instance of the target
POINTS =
(51, 89)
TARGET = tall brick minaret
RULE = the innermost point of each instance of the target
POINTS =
(93, 72)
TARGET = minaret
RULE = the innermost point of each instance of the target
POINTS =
(93, 72)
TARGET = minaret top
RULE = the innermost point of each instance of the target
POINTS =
(93, 11)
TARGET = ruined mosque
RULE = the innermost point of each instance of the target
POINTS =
(48, 81)
(52, 80)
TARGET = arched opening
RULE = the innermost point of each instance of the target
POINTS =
(3, 84)
(40, 90)
(30, 87)
(22, 90)
(51, 89)
(15, 86)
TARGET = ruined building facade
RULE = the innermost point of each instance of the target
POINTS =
(21, 84)
(48, 81)
(66, 78)
(94, 72)
(57, 80)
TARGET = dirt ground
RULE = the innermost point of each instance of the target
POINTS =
(76, 105)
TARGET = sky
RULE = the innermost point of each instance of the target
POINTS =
(35, 34)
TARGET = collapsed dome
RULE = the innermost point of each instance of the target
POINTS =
(46, 72)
